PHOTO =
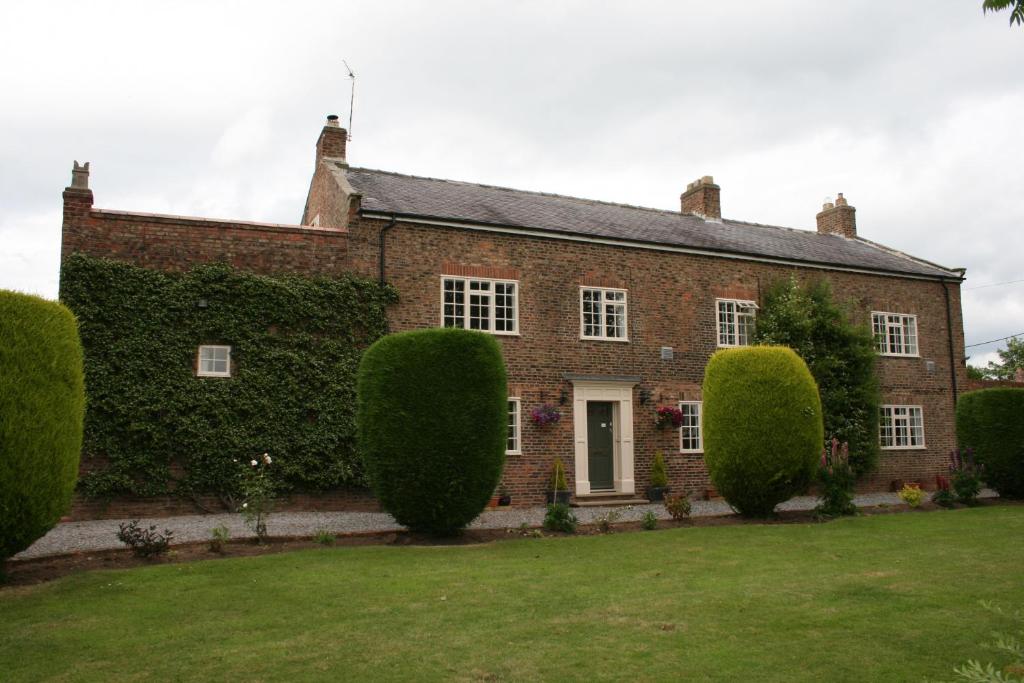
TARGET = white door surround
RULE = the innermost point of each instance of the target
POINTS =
(619, 391)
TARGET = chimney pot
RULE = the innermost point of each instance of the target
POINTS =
(702, 198)
(332, 120)
(80, 176)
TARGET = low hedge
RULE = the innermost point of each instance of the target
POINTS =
(433, 421)
(991, 421)
(154, 428)
(762, 426)
(41, 405)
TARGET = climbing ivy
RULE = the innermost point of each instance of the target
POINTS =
(155, 428)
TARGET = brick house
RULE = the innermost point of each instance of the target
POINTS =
(604, 311)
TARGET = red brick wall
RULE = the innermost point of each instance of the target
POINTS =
(671, 303)
(178, 243)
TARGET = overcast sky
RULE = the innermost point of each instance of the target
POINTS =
(913, 110)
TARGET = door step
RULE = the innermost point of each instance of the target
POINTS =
(610, 499)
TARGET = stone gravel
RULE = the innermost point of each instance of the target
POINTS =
(70, 537)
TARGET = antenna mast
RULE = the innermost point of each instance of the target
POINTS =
(352, 97)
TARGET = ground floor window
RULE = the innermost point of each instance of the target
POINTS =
(214, 361)
(512, 446)
(689, 432)
(901, 427)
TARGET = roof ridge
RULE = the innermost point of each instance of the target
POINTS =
(538, 193)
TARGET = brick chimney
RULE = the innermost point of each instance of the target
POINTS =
(838, 219)
(77, 196)
(1018, 375)
(703, 198)
(332, 141)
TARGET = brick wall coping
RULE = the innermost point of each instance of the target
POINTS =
(213, 222)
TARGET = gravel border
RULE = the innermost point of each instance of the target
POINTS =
(70, 537)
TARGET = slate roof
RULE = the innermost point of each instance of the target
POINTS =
(414, 196)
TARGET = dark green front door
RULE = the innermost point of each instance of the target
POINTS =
(600, 445)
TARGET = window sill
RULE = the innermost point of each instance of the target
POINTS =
(900, 355)
(700, 452)
(605, 339)
(734, 346)
(903, 448)
(513, 452)
(213, 375)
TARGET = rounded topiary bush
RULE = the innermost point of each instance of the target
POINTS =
(762, 426)
(991, 421)
(432, 418)
(41, 407)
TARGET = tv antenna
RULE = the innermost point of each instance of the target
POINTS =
(352, 97)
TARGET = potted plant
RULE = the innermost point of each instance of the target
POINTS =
(559, 492)
(669, 416)
(659, 479)
(504, 497)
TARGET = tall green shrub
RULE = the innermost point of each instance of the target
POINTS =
(841, 357)
(762, 426)
(432, 418)
(991, 421)
(155, 428)
(41, 405)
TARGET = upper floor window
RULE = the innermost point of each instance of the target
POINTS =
(480, 304)
(901, 427)
(736, 322)
(689, 432)
(603, 313)
(895, 333)
(512, 445)
(214, 361)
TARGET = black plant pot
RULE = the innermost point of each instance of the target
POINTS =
(558, 497)
(657, 493)
(504, 501)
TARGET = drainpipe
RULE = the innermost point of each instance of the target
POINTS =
(949, 329)
(391, 224)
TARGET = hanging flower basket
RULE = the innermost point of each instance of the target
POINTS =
(545, 415)
(669, 416)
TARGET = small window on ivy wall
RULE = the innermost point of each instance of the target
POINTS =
(214, 361)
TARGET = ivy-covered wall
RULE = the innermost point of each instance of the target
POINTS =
(158, 428)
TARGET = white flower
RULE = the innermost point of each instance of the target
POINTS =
(266, 458)
(245, 505)
(254, 463)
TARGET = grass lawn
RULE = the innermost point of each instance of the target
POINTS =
(881, 598)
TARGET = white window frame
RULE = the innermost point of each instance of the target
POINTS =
(491, 307)
(515, 427)
(200, 372)
(881, 326)
(888, 420)
(750, 311)
(603, 326)
(699, 426)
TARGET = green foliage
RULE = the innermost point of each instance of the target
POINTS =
(659, 476)
(990, 421)
(1010, 645)
(558, 482)
(296, 344)
(1016, 8)
(678, 507)
(1010, 358)
(837, 482)
(762, 426)
(219, 535)
(559, 517)
(257, 488)
(841, 357)
(432, 416)
(143, 541)
(324, 537)
(649, 522)
(41, 405)
(911, 494)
